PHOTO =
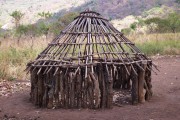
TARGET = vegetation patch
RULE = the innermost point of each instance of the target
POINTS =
(164, 47)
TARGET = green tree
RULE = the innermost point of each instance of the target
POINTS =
(43, 28)
(21, 30)
(133, 26)
(32, 32)
(17, 16)
(45, 15)
(126, 31)
(62, 22)
(67, 18)
(173, 22)
(177, 1)
(55, 28)
(152, 24)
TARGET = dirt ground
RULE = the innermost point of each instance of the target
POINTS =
(164, 105)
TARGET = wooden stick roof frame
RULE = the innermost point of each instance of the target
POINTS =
(86, 42)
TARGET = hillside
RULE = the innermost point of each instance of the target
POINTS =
(112, 9)
(120, 8)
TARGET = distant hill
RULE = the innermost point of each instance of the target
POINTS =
(112, 9)
(120, 8)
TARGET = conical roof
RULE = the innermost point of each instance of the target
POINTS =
(87, 41)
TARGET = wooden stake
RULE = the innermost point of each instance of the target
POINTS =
(97, 93)
(110, 89)
(134, 89)
(141, 80)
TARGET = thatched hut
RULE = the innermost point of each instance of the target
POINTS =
(85, 62)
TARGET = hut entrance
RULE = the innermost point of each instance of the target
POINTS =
(85, 62)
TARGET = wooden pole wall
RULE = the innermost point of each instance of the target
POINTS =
(70, 89)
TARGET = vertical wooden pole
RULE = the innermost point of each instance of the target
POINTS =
(51, 91)
(110, 89)
(61, 82)
(79, 89)
(123, 77)
(148, 84)
(119, 82)
(66, 91)
(104, 94)
(40, 89)
(90, 91)
(57, 89)
(96, 91)
(141, 81)
(134, 89)
(45, 96)
(34, 87)
(128, 85)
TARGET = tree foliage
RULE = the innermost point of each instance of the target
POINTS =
(126, 31)
(169, 24)
(133, 26)
(153, 24)
(22, 29)
(17, 16)
(62, 22)
(173, 22)
(177, 1)
(43, 28)
(32, 30)
(67, 18)
(45, 15)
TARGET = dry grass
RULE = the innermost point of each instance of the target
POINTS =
(13, 57)
(154, 37)
(152, 44)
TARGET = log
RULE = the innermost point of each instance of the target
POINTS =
(51, 90)
(90, 98)
(34, 87)
(46, 89)
(66, 85)
(57, 89)
(141, 81)
(103, 89)
(148, 85)
(40, 89)
(134, 89)
(85, 93)
(128, 85)
(123, 77)
(97, 92)
(115, 79)
(79, 89)
(119, 81)
(50, 95)
(71, 90)
(62, 96)
(110, 89)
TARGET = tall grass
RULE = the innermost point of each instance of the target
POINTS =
(166, 47)
(13, 57)
(152, 44)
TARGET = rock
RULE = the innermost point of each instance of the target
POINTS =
(5, 116)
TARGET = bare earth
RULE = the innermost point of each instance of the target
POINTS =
(164, 105)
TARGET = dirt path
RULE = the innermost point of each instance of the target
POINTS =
(165, 104)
